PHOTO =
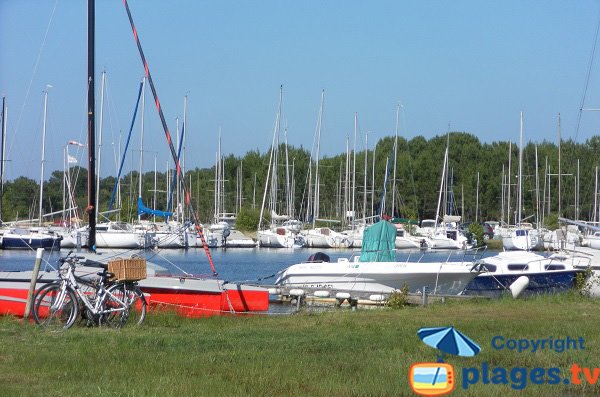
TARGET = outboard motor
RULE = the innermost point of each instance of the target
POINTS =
(318, 257)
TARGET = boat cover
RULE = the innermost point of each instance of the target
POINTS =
(379, 243)
(142, 209)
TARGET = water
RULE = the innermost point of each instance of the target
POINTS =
(254, 265)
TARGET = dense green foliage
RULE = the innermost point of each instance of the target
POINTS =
(419, 169)
(247, 219)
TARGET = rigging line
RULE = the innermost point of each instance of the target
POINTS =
(186, 192)
(137, 103)
(33, 73)
(587, 79)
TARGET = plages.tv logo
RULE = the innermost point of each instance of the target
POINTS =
(438, 378)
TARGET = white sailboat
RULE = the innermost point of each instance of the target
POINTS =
(523, 237)
(279, 234)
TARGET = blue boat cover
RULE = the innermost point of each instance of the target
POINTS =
(379, 243)
(142, 209)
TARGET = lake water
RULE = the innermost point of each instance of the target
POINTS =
(233, 264)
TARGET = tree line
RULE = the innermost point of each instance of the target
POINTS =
(477, 184)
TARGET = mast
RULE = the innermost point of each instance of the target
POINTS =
(288, 190)
(318, 154)
(99, 156)
(395, 160)
(91, 102)
(508, 196)
(520, 186)
(4, 116)
(43, 152)
(354, 172)
(141, 143)
(559, 171)
(595, 211)
(365, 176)
(271, 167)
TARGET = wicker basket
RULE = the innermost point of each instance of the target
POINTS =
(132, 269)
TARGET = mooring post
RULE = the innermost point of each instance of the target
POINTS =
(34, 276)
(425, 296)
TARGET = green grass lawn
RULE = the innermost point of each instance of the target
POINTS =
(340, 353)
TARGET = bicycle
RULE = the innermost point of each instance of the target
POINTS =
(101, 301)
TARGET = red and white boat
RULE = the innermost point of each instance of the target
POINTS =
(190, 296)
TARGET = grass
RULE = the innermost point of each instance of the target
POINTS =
(341, 353)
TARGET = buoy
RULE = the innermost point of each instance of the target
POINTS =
(322, 294)
(518, 286)
(377, 298)
(274, 291)
(297, 292)
(342, 295)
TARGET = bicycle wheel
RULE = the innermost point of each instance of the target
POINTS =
(55, 307)
(134, 298)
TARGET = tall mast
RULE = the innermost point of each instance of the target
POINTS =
(508, 196)
(141, 143)
(365, 177)
(318, 154)
(395, 160)
(43, 152)
(185, 99)
(354, 171)
(275, 131)
(373, 183)
(91, 101)
(520, 186)
(288, 190)
(559, 171)
(2, 140)
(99, 156)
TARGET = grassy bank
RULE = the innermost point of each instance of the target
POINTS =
(364, 353)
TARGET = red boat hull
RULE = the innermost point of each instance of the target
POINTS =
(207, 303)
(187, 297)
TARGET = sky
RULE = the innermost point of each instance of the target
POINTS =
(464, 65)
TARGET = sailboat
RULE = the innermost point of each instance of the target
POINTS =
(282, 232)
(15, 237)
(523, 237)
(322, 237)
(444, 235)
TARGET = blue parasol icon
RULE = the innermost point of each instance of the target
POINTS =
(449, 340)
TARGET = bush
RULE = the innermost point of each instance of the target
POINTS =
(476, 231)
(551, 222)
(398, 299)
(247, 219)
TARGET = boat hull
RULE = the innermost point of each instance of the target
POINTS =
(539, 283)
(447, 278)
(26, 242)
(196, 297)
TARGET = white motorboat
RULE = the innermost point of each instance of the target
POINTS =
(120, 235)
(377, 271)
(539, 274)
(404, 240)
(279, 237)
(523, 238)
(324, 237)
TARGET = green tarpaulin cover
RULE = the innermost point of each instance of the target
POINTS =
(379, 243)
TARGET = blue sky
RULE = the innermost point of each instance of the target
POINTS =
(471, 64)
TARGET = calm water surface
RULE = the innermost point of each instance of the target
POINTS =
(234, 264)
